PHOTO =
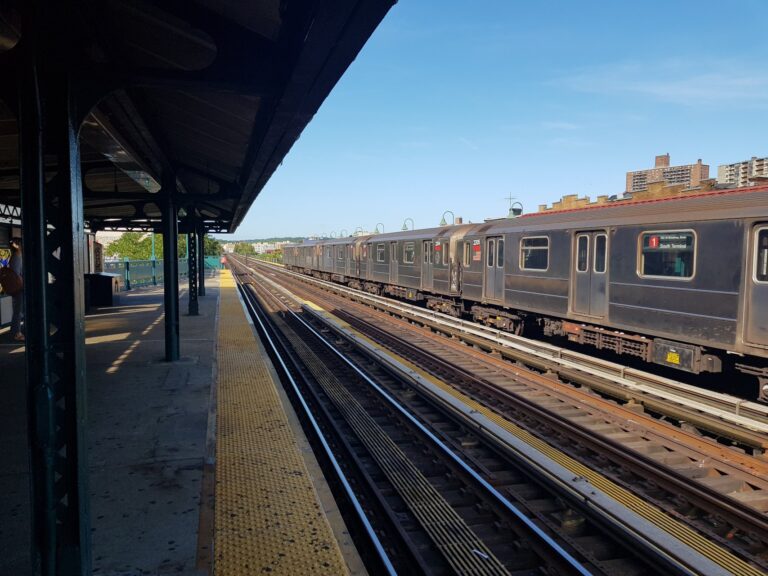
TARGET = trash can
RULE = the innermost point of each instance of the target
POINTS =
(101, 289)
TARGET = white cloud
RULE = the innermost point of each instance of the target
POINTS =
(688, 82)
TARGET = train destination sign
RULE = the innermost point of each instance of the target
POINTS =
(668, 241)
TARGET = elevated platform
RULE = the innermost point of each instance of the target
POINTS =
(268, 515)
(169, 495)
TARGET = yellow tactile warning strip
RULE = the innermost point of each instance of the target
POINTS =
(268, 519)
(696, 541)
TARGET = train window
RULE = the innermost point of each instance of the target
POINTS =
(500, 253)
(761, 255)
(601, 253)
(329, 253)
(341, 253)
(409, 252)
(393, 251)
(582, 253)
(379, 252)
(467, 254)
(445, 253)
(669, 253)
(365, 251)
(534, 253)
(491, 252)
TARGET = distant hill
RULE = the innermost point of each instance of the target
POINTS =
(281, 239)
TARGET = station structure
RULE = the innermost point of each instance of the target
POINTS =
(166, 116)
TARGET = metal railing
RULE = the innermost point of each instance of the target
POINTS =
(139, 273)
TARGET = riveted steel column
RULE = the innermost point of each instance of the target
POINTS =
(201, 253)
(171, 270)
(192, 263)
(54, 269)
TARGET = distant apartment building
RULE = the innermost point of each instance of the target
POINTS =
(746, 173)
(106, 237)
(264, 247)
(689, 175)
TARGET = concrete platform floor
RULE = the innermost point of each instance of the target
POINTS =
(148, 423)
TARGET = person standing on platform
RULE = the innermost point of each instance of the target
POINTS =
(16, 264)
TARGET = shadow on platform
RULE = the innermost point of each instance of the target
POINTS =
(147, 431)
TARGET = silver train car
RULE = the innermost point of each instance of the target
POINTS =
(681, 282)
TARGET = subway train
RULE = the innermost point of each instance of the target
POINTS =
(681, 282)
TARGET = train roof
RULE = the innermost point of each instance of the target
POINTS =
(420, 233)
(713, 205)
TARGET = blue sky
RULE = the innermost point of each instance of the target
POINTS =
(455, 105)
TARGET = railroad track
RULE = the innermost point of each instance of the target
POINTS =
(720, 492)
(736, 420)
(440, 509)
(573, 515)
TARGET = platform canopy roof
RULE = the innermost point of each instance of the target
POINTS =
(214, 92)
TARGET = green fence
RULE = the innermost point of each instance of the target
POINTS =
(138, 273)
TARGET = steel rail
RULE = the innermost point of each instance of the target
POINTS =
(500, 498)
(370, 532)
(740, 515)
(635, 526)
(736, 513)
(742, 420)
(546, 541)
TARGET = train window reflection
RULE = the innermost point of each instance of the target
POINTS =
(669, 253)
(409, 252)
(601, 252)
(582, 253)
(379, 252)
(761, 264)
(534, 253)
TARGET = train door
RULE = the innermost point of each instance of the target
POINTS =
(364, 266)
(493, 287)
(355, 251)
(393, 263)
(350, 259)
(590, 273)
(756, 310)
(426, 265)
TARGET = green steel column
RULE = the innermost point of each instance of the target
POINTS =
(54, 269)
(170, 269)
(192, 262)
(201, 254)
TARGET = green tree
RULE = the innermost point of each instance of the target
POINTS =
(212, 246)
(244, 248)
(131, 245)
(138, 246)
